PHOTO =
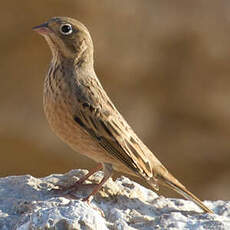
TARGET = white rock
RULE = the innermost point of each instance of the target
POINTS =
(29, 203)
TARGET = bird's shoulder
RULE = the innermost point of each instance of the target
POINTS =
(93, 104)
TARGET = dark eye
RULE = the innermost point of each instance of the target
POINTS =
(66, 29)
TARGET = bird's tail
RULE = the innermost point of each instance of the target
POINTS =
(170, 181)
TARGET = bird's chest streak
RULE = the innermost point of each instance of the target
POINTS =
(57, 101)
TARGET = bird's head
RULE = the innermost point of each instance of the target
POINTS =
(67, 38)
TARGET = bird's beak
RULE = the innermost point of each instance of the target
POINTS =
(42, 29)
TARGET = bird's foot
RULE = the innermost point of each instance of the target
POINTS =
(70, 191)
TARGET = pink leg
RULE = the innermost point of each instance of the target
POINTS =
(79, 183)
(90, 173)
(107, 169)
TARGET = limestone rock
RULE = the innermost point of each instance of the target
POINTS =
(34, 203)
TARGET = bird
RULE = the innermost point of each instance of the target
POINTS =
(80, 112)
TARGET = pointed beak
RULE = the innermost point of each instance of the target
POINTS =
(42, 29)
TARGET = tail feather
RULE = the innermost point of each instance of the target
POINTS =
(179, 188)
(171, 182)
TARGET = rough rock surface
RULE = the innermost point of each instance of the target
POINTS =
(32, 203)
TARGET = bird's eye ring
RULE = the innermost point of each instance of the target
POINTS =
(66, 29)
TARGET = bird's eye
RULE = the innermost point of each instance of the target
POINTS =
(66, 29)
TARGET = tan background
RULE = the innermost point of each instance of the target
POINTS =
(165, 64)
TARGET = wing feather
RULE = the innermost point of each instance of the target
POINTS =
(104, 123)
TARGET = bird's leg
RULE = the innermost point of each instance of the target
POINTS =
(91, 172)
(107, 169)
(74, 187)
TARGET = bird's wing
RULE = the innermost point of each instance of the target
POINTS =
(104, 123)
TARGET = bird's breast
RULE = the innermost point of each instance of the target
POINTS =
(58, 103)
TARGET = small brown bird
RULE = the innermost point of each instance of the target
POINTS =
(82, 115)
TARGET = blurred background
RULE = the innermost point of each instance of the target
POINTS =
(165, 64)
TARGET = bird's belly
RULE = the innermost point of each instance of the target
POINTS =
(63, 125)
